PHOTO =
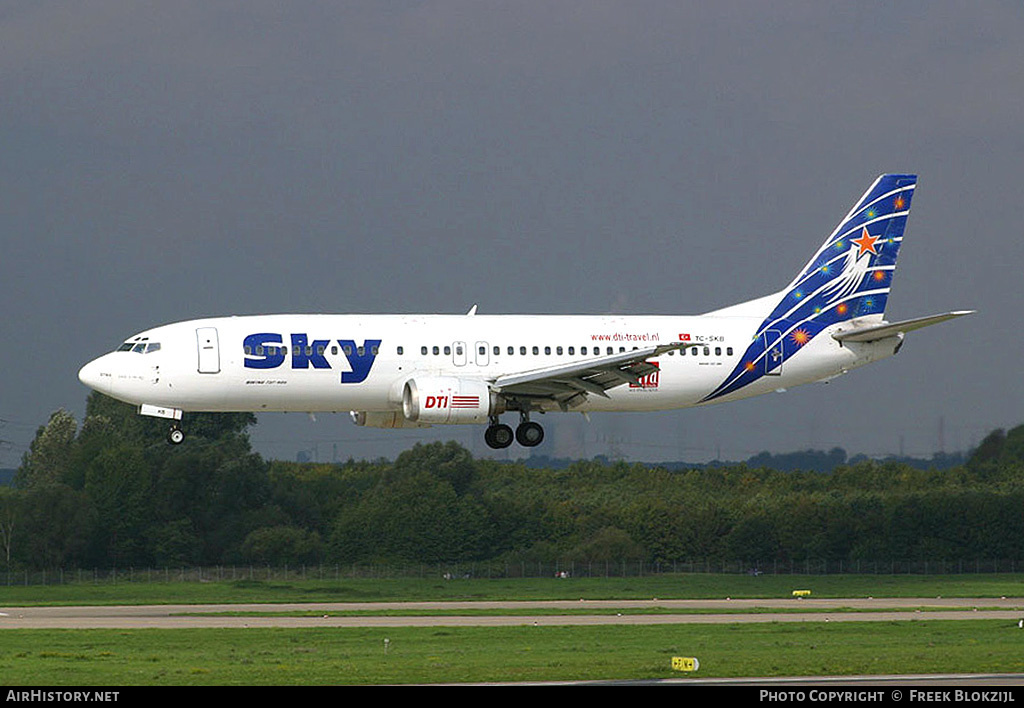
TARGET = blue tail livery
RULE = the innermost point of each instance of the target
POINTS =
(848, 279)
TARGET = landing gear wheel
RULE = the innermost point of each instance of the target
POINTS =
(529, 434)
(498, 436)
(176, 436)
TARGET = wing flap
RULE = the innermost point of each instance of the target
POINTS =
(570, 384)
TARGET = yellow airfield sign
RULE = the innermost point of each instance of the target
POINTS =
(685, 663)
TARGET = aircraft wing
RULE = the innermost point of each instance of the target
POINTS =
(570, 384)
(889, 329)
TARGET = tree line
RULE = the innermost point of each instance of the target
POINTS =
(111, 493)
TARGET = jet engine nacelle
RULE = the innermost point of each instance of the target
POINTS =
(447, 400)
(384, 419)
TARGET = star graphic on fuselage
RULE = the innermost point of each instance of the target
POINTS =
(865, 244)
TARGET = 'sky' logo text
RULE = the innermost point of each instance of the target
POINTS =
(266, 350)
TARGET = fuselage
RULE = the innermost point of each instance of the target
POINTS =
(361, 362)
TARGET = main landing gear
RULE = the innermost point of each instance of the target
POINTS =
(528, 434)
(498, 436)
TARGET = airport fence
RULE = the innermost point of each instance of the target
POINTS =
(524, 569)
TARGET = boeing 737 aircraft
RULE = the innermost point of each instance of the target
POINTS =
(401, 371)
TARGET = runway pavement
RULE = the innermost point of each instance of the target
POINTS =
(584, 612)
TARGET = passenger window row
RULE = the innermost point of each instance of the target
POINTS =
(536, 350)
(321, 350)
(436, 350)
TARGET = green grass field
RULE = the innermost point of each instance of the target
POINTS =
(667, 586)
(472, 654)
(444, 655)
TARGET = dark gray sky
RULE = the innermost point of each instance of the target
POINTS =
(166, 161)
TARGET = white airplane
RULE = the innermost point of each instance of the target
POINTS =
(401, 371)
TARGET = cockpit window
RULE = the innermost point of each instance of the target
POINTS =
(140, 346)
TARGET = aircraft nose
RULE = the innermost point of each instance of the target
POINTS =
(91, 376)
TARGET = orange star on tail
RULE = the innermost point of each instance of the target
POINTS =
(866, 243)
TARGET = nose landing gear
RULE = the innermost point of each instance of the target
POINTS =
(175, 436)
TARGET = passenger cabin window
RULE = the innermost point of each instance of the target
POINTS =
(401, 350)
(423, 351)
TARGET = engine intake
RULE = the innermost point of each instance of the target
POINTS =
(448, 400)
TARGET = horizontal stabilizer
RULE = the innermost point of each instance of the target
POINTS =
(873, 333)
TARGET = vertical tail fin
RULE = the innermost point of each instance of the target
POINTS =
(850, 274)
(849, 277)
